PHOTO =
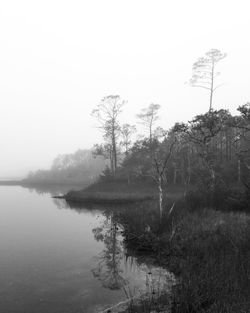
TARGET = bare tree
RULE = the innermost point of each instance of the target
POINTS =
(127, 131)
(161, 158)
(204, 72)
(148, 117)
(107, 113)
(160, 147)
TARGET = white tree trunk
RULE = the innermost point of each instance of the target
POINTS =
(160, 195)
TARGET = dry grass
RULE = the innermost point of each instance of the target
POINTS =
(211, 253)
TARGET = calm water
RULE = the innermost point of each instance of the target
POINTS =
(56, 259)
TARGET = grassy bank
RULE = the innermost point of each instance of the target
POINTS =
(105, 197)
(209, 252)
(113, 192)
(119, 192)
(122, 186)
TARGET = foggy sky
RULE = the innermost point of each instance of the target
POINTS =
(59, 58)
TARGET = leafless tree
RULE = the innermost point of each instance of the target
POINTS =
(161, 159)
(127, 132)
(148, 117)
(107, 114)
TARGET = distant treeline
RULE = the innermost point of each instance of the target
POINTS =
(77, 167)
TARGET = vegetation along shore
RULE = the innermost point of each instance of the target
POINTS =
(195, 180)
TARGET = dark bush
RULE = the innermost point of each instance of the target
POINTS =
(204, 196)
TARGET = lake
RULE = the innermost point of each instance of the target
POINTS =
(57, 259)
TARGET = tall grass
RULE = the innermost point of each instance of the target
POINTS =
(211, 252)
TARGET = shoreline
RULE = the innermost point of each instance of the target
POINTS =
(120, 192)
(10, 183)
(83, 196)
(24, 183)
(207, 250)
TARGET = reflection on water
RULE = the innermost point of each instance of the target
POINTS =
(54, 260)
(53, 190)
(108, 269)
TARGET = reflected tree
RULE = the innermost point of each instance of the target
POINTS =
(108, 269)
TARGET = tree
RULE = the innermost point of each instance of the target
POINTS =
(160, 147)
(202, 132)
(127, 131)
(242, 142)
(138, 162)
(105, 151)
(162, 155)
(204, 72)
(107, 114)
(148, 117)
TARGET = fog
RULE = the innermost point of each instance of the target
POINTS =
(59, 58)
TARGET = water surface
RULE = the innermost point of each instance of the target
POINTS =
(56, 259)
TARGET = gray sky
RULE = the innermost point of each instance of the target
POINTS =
(59, 58)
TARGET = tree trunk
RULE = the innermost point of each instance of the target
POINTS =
(128, 178)
(187, 180)
(239, 171)
(160, 195)
(213, 179)
(111, 163)
(212, 175)
(211, 89)
(175, 176)
(114, 150)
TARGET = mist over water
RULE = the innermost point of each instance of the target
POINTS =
(125, 156)
(52, 259)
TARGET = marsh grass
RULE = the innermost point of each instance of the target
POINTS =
(116, 185)
(113, 192)
(152, 299)
(106, 197)
(210, 252)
